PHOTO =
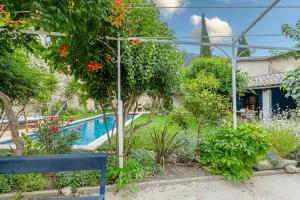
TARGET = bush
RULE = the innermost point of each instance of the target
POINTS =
(22, 182)
(233, 153)
(74, 111)
(52, 138)
(77, 179)
(30, 182)
(295, 155)
(186, 152)
(165, 142)
(147, 161)
(6, 183)
(132, 171)
(282, 137)
(178, 116)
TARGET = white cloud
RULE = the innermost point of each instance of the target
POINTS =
(215, 27)
(169, 12)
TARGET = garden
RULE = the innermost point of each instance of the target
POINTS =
(197, 133)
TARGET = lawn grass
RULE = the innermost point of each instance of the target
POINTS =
(142, 137)
(82, 115)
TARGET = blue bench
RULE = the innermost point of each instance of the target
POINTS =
(57, 163)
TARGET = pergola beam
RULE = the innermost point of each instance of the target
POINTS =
(212, 44)
(274, 3)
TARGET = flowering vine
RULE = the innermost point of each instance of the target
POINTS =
(91, 66)
(108, 57)
(1, 7)
(135, 41)
(118, 10)
(62, 50)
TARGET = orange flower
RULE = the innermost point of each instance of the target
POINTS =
(108, 57)
(118, 2)
(94, 66)
(62, 50)
(135, 41)
(1, 7)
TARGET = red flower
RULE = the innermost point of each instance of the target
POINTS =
(71, 119)
(78, 128)
(1, 7)
(35, 125)
(108, 57)
(94, 66)
(54, 129)
(62, 50)
(54, 118)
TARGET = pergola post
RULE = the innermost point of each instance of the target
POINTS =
(234, 108)
(120, 107)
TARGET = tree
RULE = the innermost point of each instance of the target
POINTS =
(294, 34)
(205, 50)
(200, 97)
(243, 52)
(221, 69)
(146, 67)
(48, 86)
(76, 88)
(19, 82)
(291, 84)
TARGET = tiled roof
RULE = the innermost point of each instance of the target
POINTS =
(266, 81)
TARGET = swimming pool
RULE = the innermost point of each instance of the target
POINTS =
(92, 131)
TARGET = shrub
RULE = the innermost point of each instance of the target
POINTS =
(179, 117)
(233, 153)
(53, 139)
(165, 143)
(186, 152)
(147, 161)
(295, 155)
(121, 177)
(30, 182)
(282, 137)
(6, 183)
(74, 111)
(77, 179)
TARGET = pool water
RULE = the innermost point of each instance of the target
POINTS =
(90, 129)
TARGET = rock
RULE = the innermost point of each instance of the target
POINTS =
(264, 165)
(267, 165)
(291, 169)
(67, 191)
(289, 162)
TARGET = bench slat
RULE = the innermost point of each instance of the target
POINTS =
(51, 163)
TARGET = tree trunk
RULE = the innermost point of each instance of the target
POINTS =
(13, 123)
(200, 124)
(106, 126)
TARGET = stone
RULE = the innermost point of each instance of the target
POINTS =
(291, 169)
(289, 162)
(264, 165)
(267, 165)
(67, 191)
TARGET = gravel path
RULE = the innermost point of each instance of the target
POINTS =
(273, 187)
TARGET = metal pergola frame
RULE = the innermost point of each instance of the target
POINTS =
(232, 57)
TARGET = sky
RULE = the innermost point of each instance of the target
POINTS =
(186, 22)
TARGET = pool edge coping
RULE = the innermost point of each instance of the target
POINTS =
(92, 146)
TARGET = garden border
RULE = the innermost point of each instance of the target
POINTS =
(93, 190)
